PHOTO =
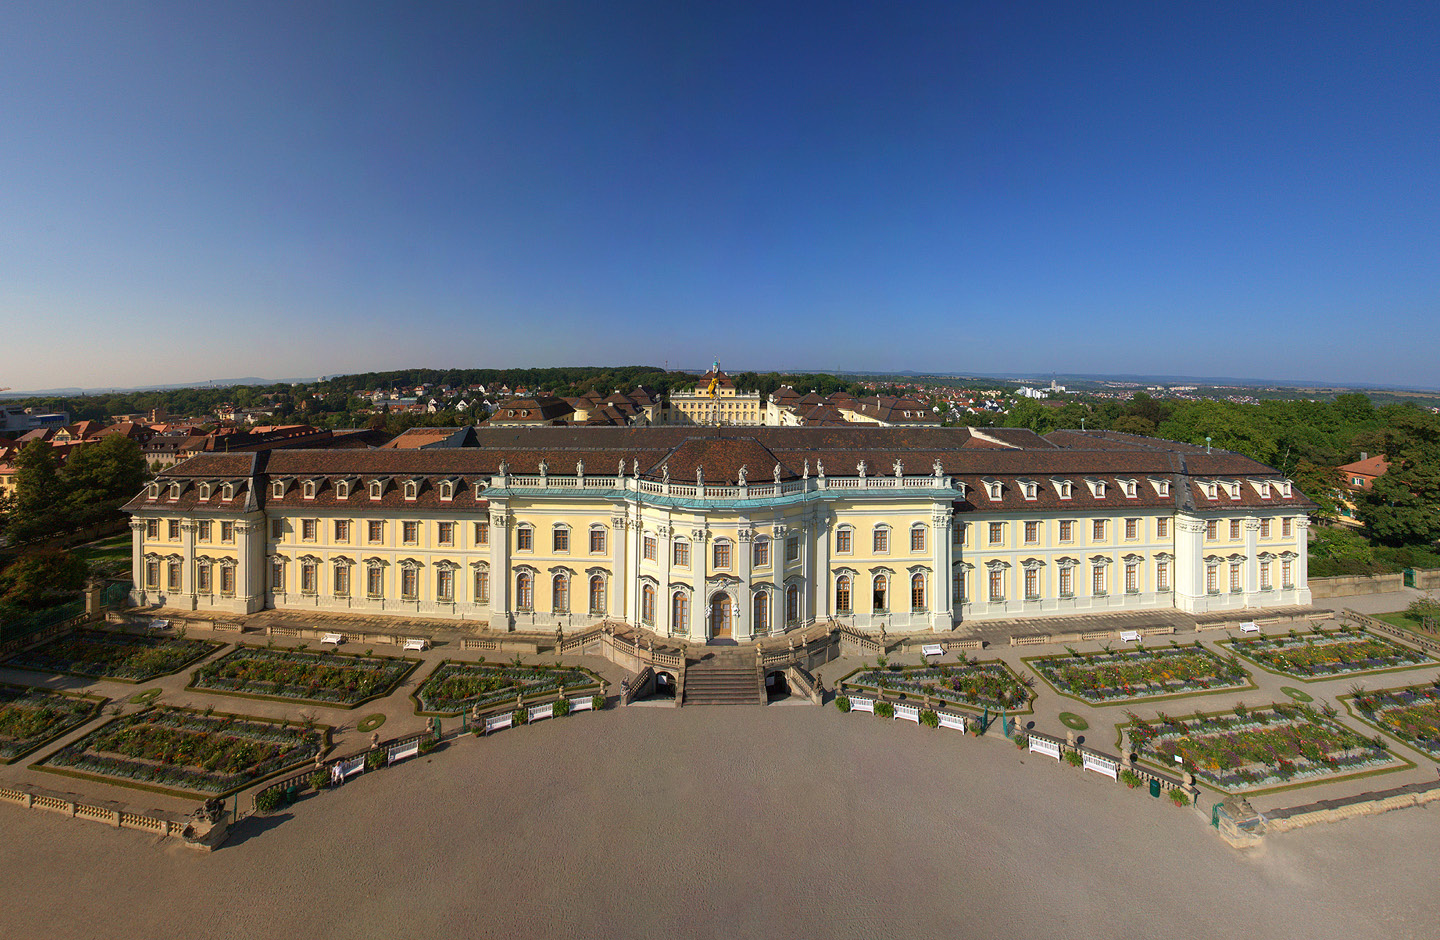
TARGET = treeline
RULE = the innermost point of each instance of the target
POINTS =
(96, 480)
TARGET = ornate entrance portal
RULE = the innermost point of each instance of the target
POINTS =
(721, 614)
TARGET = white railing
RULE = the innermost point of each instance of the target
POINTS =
(749, 491)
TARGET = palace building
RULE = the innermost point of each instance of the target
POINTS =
(702, 533)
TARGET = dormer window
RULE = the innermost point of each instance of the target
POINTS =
(1262, 487)
(447, 490)
(1234, 486)
(1162, 486)
(377, 489)
(1285, 489)
(412, 489)
(1028, 488)
(175, 489)
(993, 488)
(154, 491)
(204, 490)
(1064, 488)
(309, 489)
(342, 489)
(1129, 488)
(1097, 487)
(227, 491)
(1211, 490)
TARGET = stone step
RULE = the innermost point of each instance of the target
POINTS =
(724, 683)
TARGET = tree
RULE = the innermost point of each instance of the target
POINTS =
(34, 579)
(1029, 413)
(39, 494)
(100, 477)
(1402, 506)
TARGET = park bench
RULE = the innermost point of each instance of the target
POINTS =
(582, 703)
(333, 638)
(932, 649)
(862, 704)
(907, 713)
(537, 712)
(1130, 636)
(496, 722)
(416, 644)
(1250, 627)
(949, 720)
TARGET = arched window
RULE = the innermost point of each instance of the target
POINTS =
(524, 591)
(647, 604)
(917, 592)
(880, 601)
(411, 489)
(560, 593)
(792, 604)
(679, 612)
(597, 596)
(762, 611)
(842, 594)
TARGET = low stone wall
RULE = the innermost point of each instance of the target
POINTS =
(116, 815)
(1350, 586)
(1362, 804)
(1039, 639)
(1427, 579)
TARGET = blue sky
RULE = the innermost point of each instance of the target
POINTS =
(192, 191)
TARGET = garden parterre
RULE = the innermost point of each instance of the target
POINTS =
(989, 684)
(1411, 714)
(103, 655)
(30, 717)
(187, 752)
(1125, 675)
(455, 686)
(315, 676)
(1325, 654)
(1260, 748)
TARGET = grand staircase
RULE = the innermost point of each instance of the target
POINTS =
(721, 679)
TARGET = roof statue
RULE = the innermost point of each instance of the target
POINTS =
(939, 470)
(504, 468)
(664, 473)
(819, 468)
(580, 468)
(620, 471)
(860, 468)
(899, 469)
(700, 476)
(544, 467)
(777, 474)
(741, 474)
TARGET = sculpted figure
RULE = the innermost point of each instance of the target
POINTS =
(899, 468)
(742, 474)
(664, 473)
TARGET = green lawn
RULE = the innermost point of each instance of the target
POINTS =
(1402, 620)
(110, 554)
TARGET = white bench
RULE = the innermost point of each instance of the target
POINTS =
(399, 752)
(1251, 627)
(333, 638)
(159, 625)
(862, 705)
(341, 770)
(415, 644)
(932, 649)
(1101, 765)
(537, 712)
(583, 703)
(1042, 746)
(949, 720)
(907, 713)
(496, 722)
(1129, 636)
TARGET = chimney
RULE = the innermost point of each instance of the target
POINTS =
(1364, 455)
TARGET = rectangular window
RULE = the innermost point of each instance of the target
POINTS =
(1132, 528)
(1234, 529)
(375, 532)
(1162, 575)
(1235, 577)
(1132, 577)
(202, 530)
(409, 583)
(1032, 533)
(882, 540)
(172, 576)
(957, 533)
(152, 575)
(307, 578)
(1067, 581)
(842, 540)
(172, 530)
(680, 554)
(917, 539)
(445, 585)
(1098, 530)
(1162, 528)
(1285, 527)
(342, 580)
(1032, 584)
(482, 586)
(374, 581)
(1212, 530)
(277, 529)
(227, 532)
(445, 533)
(411, 533)
(1287, 580)
(482, 533)
(997, 584)
(1212, 579)
(792, 548)
(1265, 576)
(342, 530)
(722, 554)
(152, 529)
(1067, 531)
(202, 578)
(597, 541)
(308, 529)
(649, 548)
(1264, 528)
(761, 553)
(997, 533)
(227, 581)
(1097, 580)
(560, 540)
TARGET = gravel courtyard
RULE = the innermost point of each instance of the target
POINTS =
(793, 822)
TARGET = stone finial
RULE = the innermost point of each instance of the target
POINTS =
(741, 474)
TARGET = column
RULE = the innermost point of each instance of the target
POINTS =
(635, 531)
(499, 568)
(1302, 560)
(699, 603)
(245, 565)
(1252, 563)
(744, 565)
(1190, 564)
(941, 604)
(187, 567)
(813, 587)
(137, 561)
(665, 554)
(619, 585)
(820, 576)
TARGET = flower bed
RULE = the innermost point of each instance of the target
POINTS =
(1411, 714)
(986, 685)
(123, 656)
(1272, 746)
(455, 686)
(1129, 675)
(310, 676)
(31, 718)
(186, 752)
(1324, 655)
